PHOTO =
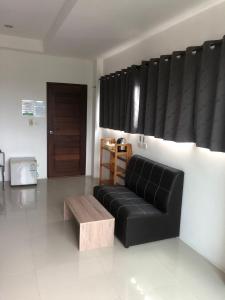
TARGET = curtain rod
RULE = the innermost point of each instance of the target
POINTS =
(194, 49)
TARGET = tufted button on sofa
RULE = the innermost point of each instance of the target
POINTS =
(148, 207)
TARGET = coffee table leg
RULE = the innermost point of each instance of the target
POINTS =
(96, 234)
(67, 213)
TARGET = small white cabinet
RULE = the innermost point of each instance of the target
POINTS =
(23, 171)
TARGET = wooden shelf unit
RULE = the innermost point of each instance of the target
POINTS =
(115, 171)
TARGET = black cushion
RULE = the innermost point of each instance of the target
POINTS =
(150, 180)
(122, 202)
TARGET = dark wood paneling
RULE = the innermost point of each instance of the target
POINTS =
(66, 111)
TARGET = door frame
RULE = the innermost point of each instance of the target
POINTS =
(84, 129)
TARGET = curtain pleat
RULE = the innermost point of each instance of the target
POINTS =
(151, 97)
(106, 102)
(116, 107)
(174, 95)
(123, 99)
(143, 96)
(218, 128)
(206, 92)
(162, 94)
(101, 106)
(128, 100)
(111, 100)
(133, 97)
(185, 127)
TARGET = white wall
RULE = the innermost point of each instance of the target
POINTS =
(24, 76)
(203, 211)
(193, 31)
(97, 131)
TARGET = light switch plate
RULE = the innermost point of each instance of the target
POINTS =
(145, 145)
(30, 122)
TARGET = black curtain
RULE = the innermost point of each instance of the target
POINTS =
(143, 75)
(106, 102)
(206, 92)
(123, 98)
(102, 99)
(178, 97)
(149, 114)
(162, 95)
(116, 101)
(217, 142)
(174, 95)
(132, 99)
(185, 127)
(128, 100)
(111, 99)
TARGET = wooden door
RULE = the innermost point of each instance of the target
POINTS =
(66, 125)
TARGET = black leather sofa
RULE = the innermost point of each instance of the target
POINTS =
(148, 207)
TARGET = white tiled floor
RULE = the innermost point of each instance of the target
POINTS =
(39, 259)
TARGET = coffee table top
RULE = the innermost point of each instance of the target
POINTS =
(87, 209)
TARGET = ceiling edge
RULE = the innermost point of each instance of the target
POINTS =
(59, 20)
(21, 43)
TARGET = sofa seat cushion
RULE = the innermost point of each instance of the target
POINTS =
(123, 203)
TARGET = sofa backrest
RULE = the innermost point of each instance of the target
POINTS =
(153, 181)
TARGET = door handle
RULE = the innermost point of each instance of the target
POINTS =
(51, 132)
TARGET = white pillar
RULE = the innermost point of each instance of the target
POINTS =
(96, 129)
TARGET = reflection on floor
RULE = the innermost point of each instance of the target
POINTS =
(39, 259)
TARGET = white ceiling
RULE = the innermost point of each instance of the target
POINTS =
(87, 28)
(30, 18)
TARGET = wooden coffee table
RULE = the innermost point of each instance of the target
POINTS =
(96, 224)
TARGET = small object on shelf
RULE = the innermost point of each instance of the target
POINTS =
(115, 170)
(121, 148)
